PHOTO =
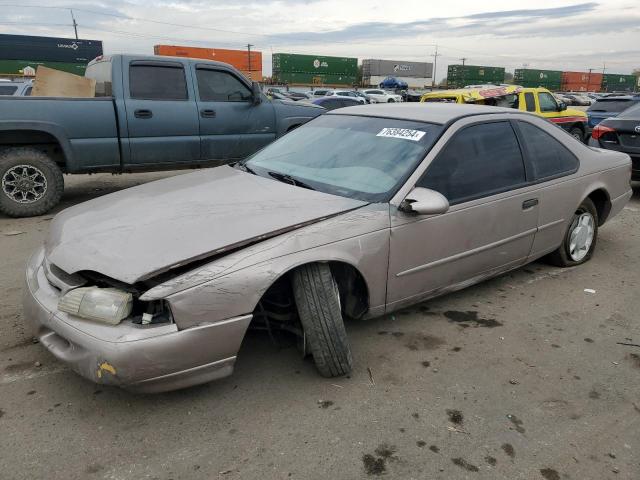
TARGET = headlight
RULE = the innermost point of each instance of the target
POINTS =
(108, 305)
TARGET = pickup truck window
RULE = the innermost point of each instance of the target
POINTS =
(219, 86)
(530, 102)
(547, 102)
(155, 82)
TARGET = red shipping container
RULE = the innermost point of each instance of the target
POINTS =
(588, 81)
(237, 58)
(580, 87)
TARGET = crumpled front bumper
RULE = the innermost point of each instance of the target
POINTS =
(151, 358)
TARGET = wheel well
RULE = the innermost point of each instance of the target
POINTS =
(37, 139)
(601, 201)
(293, 127)
(354, 293)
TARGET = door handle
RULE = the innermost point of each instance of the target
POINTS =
(143, 113)
(207, 113)
(527, 204)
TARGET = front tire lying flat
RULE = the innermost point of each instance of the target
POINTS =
(318, 301)
(580, 240)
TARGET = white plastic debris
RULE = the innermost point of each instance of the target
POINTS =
(589, 290)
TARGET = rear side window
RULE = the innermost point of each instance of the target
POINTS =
(480, 160)
(8, 89)
(530, 102)
(610, 105)
(218, 86)
(548, 157)
(155, 82)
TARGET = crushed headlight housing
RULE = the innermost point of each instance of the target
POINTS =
(107, 305)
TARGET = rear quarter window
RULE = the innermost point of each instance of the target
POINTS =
(548, 157)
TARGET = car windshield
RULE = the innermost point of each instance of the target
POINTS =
(365, 158)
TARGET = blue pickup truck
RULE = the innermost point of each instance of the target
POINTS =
(149, 113)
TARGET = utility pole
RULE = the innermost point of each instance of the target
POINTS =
(464, 59)
(75, 25)
(435, 66)
(589, 79)
(249, 56)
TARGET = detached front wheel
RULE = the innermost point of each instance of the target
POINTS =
(31, 182)
(580, 240)
(318, 301)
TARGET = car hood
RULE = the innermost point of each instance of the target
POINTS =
(140, 232)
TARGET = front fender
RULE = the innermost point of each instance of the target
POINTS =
(237, 281)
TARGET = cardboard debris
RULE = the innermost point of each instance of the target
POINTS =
(55, 83)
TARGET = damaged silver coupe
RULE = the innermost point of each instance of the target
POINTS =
(358, 213)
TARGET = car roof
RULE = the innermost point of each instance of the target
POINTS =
(440, 113)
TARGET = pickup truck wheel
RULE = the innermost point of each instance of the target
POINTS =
(31, 182)
(318, 301)
(580, 240)
(576, 132)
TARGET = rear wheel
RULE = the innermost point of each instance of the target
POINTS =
(31, 182)
(580, 240)
(318, 301)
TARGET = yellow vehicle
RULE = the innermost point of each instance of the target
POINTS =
(535, 100)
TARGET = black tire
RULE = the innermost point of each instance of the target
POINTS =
(577, 133)
(562, 256)
(33, 162)
(318, 301)
(391, 100)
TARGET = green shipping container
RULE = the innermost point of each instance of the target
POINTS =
(612, 82)
(293, 63)
(460, 75)
(319, 79)
(529, 77)
(16, 67)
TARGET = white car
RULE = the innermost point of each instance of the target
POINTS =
(380, 96)
(346, 93)
(317, 93)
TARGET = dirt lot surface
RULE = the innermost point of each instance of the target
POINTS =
(520, 377)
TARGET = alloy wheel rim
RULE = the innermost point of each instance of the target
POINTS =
(581, 236)
(24, 184)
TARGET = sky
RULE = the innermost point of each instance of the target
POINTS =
(547, 34)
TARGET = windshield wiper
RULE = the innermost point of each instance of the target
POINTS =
(243, 167)
(283, 177)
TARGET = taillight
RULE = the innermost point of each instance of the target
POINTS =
(600, 131)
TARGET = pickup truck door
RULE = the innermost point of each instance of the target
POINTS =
(232, 126)
(162, 116)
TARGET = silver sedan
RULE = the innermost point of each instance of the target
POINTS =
(356, 214)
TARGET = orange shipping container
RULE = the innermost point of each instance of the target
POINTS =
(585, 78)
(237, 58)
(580, 87)
(255, 75)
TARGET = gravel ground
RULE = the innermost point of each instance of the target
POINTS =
(520, 377)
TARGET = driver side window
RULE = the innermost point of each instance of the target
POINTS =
(547, 102)
(219, 86)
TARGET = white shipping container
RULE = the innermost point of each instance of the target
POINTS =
(413, 82)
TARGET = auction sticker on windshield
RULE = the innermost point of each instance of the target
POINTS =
(405, 133)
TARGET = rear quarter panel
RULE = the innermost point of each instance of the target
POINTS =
(86, 127)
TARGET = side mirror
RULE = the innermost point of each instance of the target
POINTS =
(562, 106)
(424, 201)
(256, 93)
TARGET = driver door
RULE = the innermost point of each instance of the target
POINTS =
(232, 127)
(489, 227)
